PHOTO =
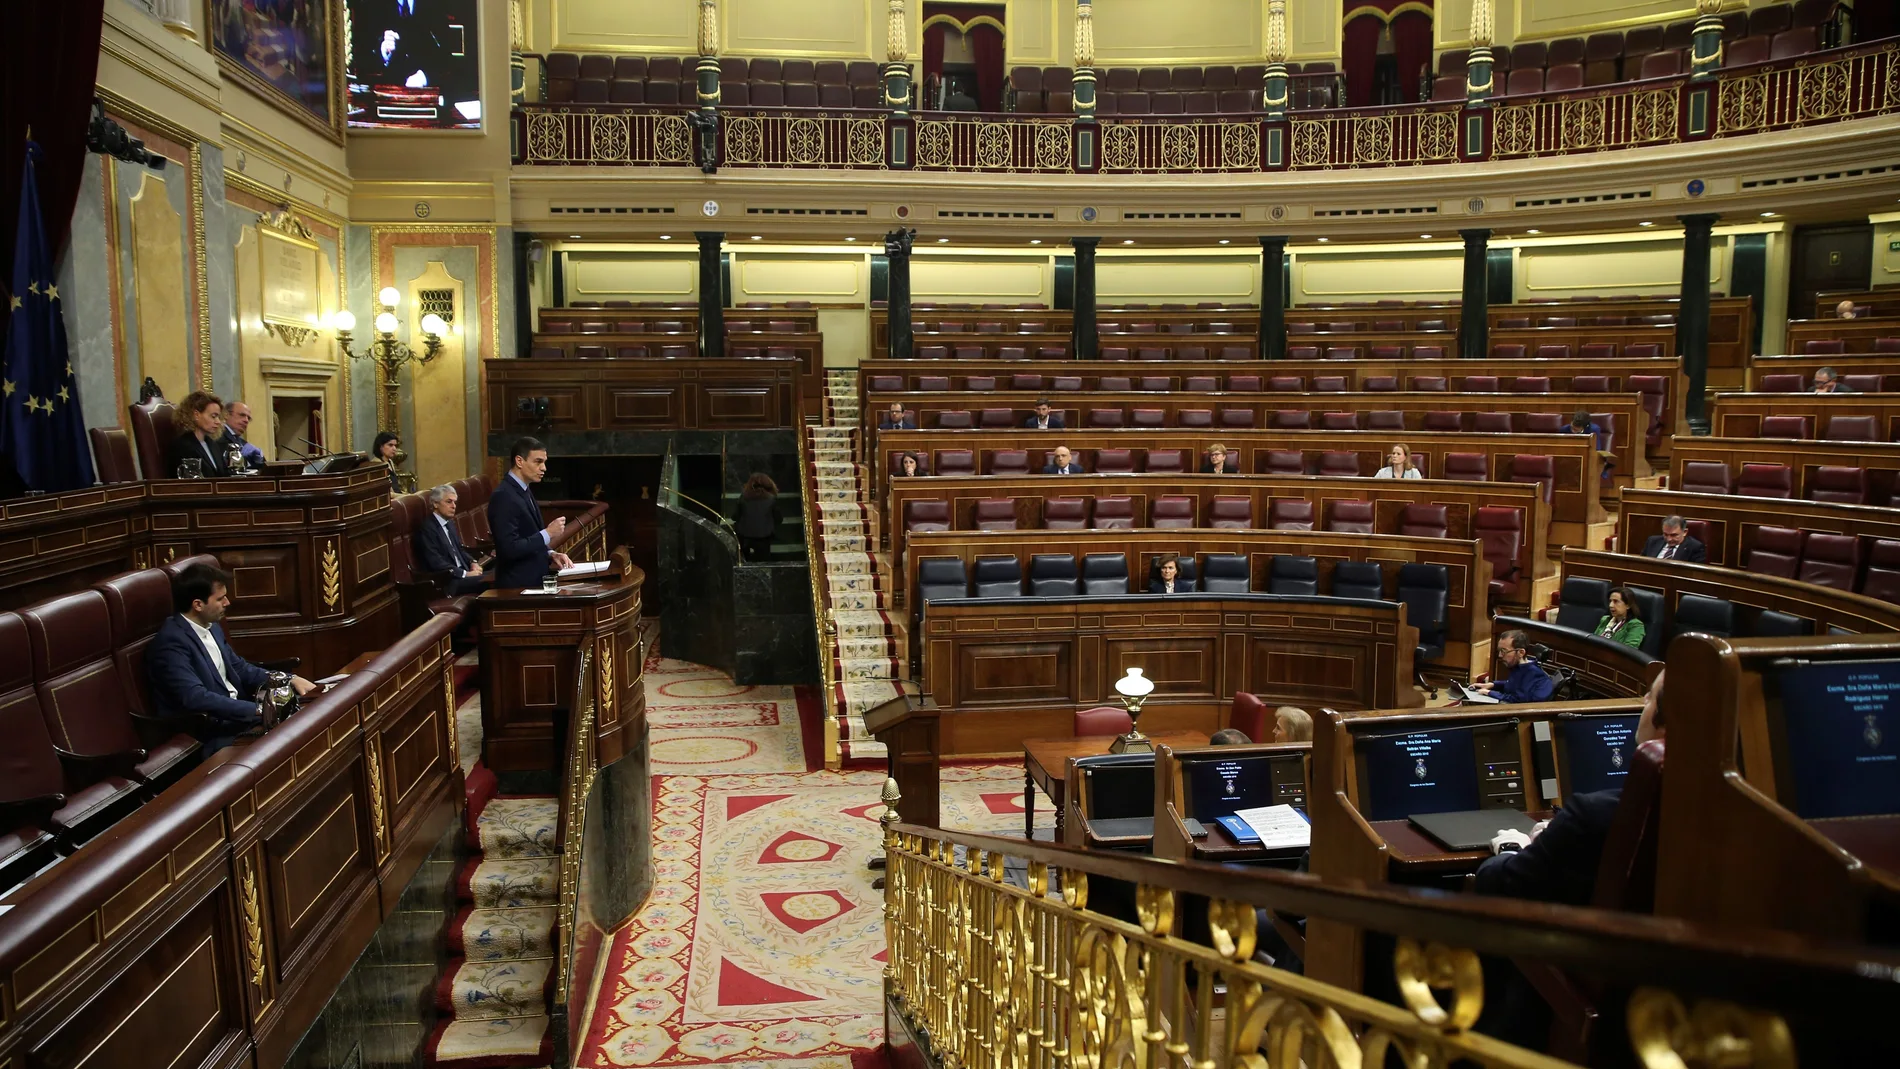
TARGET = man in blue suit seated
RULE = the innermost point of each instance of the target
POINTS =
(1063, 462)
(193, 670)
(1523, 681)
(522, 540)
(439, 547)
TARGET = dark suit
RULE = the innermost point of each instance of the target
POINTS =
(1690, 550)
(1228, 469)
(442, 551)
(521, 554)
(186, 446)
(905, 424)
(185, 681)
(1075, 468)
(1181, 586)
(1055, 422)
(1560, 865)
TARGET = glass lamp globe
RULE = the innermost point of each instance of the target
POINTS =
(389, 296)
(386, 323)
(432, 324)
(345, 321)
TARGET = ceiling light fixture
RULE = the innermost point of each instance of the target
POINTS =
(1769, 215)
(1425, 237)
(758, 237)
(1128, 241)
(943, 241)
(666, 237)
(1533, 231)
(851, 239)
(1645, 223)
(1035, 241)
(1323, 241)
(1223, 241)
(574, 235)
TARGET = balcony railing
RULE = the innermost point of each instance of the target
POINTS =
(1825, 87)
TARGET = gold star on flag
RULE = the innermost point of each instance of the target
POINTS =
(64, 394)
(16, 301)
(32, 403)
(9, 387)
(52, 293)
(33, 287)
(69, 369)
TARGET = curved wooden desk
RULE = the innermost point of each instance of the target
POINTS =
(1750, 592)
(1604, 668)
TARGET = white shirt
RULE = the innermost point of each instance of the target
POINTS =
(1668, 551)
(217, 655)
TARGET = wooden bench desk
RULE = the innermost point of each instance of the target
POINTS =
(1046, 766)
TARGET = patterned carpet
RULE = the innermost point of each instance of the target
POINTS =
(762, 942)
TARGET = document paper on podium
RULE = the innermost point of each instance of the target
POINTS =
(1278, 826)
(582, 571)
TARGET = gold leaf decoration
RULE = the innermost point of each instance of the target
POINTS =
(253, 916)
(378, 820)
(332, 578)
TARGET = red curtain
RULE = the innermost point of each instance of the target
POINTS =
(1412, 38)
(933, 58)
(50, 60)
(986, 42)
(1361, 55)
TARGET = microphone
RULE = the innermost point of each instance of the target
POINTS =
(320, 451)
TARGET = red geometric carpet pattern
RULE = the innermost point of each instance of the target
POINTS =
(762, 941)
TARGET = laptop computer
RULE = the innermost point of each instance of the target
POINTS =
(1471, 829)
(1477, 697)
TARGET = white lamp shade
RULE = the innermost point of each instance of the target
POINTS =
(345, 321)
(389, 296)
(386, 323)
(432, 324)
(1134, 685)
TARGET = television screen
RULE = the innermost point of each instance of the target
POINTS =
(1597, 751)
(414, 65)
(1840, 738)
(1220, 788)
(1420, 772)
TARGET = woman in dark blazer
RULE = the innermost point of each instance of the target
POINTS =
(385, 448)
(200, 422)
(1167, 579)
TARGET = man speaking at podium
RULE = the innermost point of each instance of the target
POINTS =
(522, 556)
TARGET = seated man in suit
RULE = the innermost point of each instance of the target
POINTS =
(1046, 418)
(522, 541)
(195, 672)
(897, 419)
(237, 420)
(1675, 544)
(1558, 861)
(1524, 681)
(439, 546)
(1063, 462)
(1828, 380)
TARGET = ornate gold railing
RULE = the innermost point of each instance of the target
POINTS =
(987, 969)
(993, 143)
(1192, 144)
(1422, 134)
(607, 136)
(1823, 88)
(1551, 126)
(802, 139)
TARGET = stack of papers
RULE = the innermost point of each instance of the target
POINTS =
(1278, 826)
(580, 571)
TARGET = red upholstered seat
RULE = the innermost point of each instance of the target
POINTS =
(1821, 346)
(1166, 460)
(1115, 512)
(1830, 560)
(955, 462)
(1491, 422)
(1425, 521)
(152, 430)
(1103, 720)
(926, 516)
(1471, 467)
(1379, 383)
(1535, 468)
(1231, 512)
(1195, 417)
(996, 514)
(1427, 383)
(1349, 517)
(956, 419)
(1290, 514)
(1115, 461)
(1441, 420)
(1705, 477)
(996, 418)
(1249, 717)
(1009, 462)
(1842, 485)
(1776, 551)
(1385, 419)
(1483, 383)
(1883, 570)
(1532, 383)
(1653, 390)
(1200, 384)
(1338, 463)
(1065, 513)
(1545, 422)
(1174, 510)
(1329, 384)
(1285, 462)
(1501, 532)
(1851, 429)
(1237, 417)
(1291, 419)
(1766, 480)
(1339, 421)
(1285, 383)
(1105, 417)
(1249, 383)
(1785, 426)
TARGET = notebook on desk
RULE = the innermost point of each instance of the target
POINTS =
(1122, 827)
(1471, 829)
(1466, 694)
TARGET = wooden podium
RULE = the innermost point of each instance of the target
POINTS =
(530, 646)
(909, 732)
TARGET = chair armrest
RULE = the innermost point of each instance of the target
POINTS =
(95, 766)
(197, 725)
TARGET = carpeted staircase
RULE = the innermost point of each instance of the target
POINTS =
(494, 992)
(865, 651)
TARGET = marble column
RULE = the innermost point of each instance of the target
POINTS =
(1088, 344)
(1692, 316)
(897, 294)
(712, 314)
(1273, 297)
(1474, 325)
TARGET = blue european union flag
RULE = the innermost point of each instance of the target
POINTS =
(42, 430)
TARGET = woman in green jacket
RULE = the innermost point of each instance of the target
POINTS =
(1621, 625)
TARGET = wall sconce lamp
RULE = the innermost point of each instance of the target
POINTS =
(1133, 687)
(388, 353)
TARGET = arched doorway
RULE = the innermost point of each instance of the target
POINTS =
(1387, 50)
(963, 56)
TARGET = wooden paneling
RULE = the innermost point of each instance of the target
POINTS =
(689, 394)
(1467, 646)
(1002, 671)
(1805, 365)
(1739, 415)
(1859, 334)
(1576, 499)
(1625, 410)
(52, 544)
(1750, 593)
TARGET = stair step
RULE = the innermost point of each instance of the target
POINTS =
(512, 882)
(489, 989)
(506, 934)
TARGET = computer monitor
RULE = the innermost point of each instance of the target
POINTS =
(1222, 786)
(1444, 770)
(1594, 753)
(334, 463)
(1835, 730)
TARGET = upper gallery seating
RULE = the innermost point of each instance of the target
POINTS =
(760, 82)
(1140, 91)
(1781, 31)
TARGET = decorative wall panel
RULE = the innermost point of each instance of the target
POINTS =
(979, 280)
(634, 277)
(1370, 276)
(796, 279)
(616, 26)
(1136, 32)
(158, 265)
(1539, 19)
(824, 28)
(1203, 279)
(1645, 267)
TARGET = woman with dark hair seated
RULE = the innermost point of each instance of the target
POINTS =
(909, 464)
(385, 448)
(1168, 579)
(1621, 624)
(200, 422)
